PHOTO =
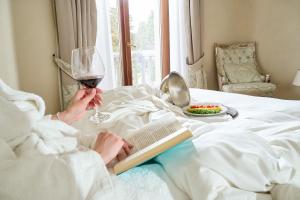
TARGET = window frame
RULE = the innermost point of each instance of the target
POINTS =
(126, 45)
(125, 41)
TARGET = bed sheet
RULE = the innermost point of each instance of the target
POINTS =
(231, 159)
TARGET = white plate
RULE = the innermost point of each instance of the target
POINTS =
(223, 111)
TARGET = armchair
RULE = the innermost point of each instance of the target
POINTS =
(238, 71)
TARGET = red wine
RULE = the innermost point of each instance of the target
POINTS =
(91, 81)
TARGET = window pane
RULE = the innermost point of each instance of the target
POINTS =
(115, 35)
(145, 36)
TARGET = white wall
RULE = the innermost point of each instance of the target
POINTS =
(35, 43)
(224, 21)
(8, 65)
(276, 28)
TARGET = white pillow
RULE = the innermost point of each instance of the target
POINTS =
(242, 73)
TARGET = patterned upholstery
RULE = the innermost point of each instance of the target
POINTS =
(242, 56)
(257, 88)
(242, 73)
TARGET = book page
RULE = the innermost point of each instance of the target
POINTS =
(152, 132)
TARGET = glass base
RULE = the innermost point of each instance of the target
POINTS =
(99, 117)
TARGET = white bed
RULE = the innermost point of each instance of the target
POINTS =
(256, 156)
(227, 159)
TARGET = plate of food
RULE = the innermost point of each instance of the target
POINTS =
(205, 109)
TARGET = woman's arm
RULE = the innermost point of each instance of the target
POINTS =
(108, 145)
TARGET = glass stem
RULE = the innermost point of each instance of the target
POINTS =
(99, 116)
(97, 113)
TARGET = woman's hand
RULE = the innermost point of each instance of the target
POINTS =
(111, 146)
(83, 100)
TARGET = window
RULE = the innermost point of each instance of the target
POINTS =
(139, 30)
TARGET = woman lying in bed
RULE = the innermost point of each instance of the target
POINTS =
(41, 156)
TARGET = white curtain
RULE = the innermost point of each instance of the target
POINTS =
(104, 45)
(186, 41)
(178, 51)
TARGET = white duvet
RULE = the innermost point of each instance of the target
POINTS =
(244, 158)
(250, 157)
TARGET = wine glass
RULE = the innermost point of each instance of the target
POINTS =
(88, 68)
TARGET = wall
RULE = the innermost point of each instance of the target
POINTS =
(277, 33)
(224, 21)
(8, 65)
(273, 24)
(35, 43)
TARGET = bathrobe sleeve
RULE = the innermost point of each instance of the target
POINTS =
(77, 175)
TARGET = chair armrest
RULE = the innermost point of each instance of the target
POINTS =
(221, 81)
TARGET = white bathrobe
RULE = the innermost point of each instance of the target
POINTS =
(40, 158)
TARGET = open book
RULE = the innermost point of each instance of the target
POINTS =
(151, 140)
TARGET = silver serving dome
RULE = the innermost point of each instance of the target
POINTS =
(174, 90)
